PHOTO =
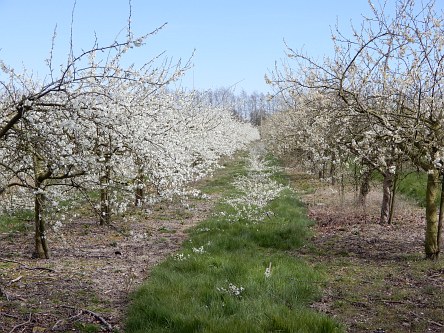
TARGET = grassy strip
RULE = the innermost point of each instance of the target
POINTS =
(234, 276)
(413, 185)
(17, 222)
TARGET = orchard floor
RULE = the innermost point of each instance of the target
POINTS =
(84, 286)
(377, 277)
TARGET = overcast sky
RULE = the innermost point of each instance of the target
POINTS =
(236, 41)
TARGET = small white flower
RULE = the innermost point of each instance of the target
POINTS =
(199, 250)
(392, 169)
(181, 256)
(232, 290)
(268, 271)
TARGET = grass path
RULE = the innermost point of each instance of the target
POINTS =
(235, 273)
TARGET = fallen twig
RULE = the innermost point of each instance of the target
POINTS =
(435, 323)
(27, 267)
(108, 326)
(4, 314)
(15, 280)
(100, 318)
(66, 320)
(428, 320)
(393, 302)
(22, 324)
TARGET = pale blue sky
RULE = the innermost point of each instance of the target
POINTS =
(235, 41)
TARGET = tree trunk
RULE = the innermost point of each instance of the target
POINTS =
(431, 234)
(356, 178)
(105, 202)
(105, 210)
(41, 246)
(139, 197)
(392, 204)
(387, 187)
(441, 213)
(139, 182)
(342, 189)
(40, 174)
(333, 171)
(365, 187)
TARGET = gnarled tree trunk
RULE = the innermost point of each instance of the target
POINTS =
(441, 215)
(105, 197)
(139, 186)
(387, 192)
(392, 204)
(364, 189)
(431, 235)
(41, 246)
(138, 197)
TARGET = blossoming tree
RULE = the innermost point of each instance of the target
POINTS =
(388, 76)
(101, 127)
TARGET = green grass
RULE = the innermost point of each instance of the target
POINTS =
(279, 175)
(87, 327)
(190, 292)
(413, 185)
(16, 222)
(220, 183)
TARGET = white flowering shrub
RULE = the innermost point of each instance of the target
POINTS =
(257, 190)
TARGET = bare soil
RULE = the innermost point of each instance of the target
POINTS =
(85, 285)
(377, 277)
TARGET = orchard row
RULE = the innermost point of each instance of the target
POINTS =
(116, 135)
(377, 103)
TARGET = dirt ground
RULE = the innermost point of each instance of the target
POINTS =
(84, 286)
(377, 277)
